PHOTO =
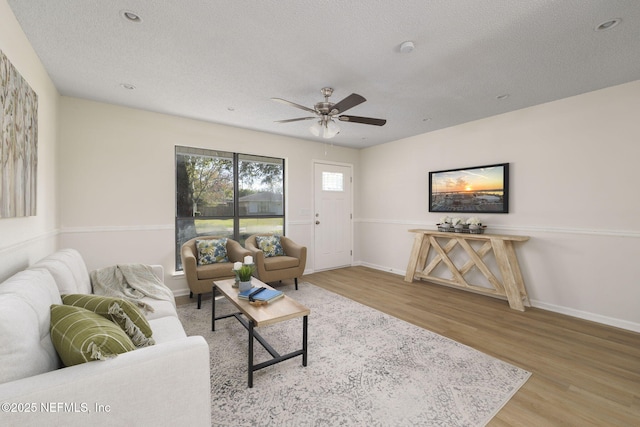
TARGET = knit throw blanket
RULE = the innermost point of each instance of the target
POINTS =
(132, 282)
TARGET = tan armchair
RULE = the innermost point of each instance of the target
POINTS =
(271, 269)
(200, 277)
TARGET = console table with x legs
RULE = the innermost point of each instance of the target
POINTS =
(510, 286)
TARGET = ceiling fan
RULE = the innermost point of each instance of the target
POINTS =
(325, 113)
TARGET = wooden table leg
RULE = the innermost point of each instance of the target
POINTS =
(413, 259)
(517, 274)
(508, 275)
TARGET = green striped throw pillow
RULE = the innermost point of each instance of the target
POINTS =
(80, 335)
(120, 311)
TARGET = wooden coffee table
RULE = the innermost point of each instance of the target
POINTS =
(251, 317)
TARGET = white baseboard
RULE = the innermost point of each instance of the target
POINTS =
(181, 292)
(381, 268)
(585, 315)
(598, 318)
(179, 275)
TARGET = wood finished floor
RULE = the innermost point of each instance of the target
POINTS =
(583, 373)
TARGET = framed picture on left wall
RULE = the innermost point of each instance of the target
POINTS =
(18, 143)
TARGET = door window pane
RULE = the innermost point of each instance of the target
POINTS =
(332, 181)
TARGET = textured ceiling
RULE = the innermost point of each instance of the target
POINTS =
(222, 61)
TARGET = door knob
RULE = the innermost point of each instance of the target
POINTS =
(317, 222)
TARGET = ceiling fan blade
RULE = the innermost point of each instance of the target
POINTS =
(293, 104)
(364, 120)
(349, 102)
(295, 120)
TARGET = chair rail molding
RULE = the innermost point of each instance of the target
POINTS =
(31, 240)
(508, 228)
(116, 228)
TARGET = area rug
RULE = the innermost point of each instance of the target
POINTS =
(365, 368)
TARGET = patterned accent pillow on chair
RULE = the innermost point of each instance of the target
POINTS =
(270, 245)
(211, 251)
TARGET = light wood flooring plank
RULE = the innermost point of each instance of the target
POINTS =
(584, 373)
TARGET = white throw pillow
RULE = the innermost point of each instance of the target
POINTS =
(69, 271)
(25, 342)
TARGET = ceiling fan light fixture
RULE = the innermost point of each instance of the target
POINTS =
(325, 128)
(316, 128)
(326, 113)
(331, 129)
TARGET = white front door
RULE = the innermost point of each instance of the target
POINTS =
(332, 216)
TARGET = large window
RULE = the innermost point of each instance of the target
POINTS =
(227, 194)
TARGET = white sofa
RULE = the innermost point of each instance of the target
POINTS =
(164, 384)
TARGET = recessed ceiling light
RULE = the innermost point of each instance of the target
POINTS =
(502, 97)
(407, 47)
(130, 16)
(127, 86)
(607, 25)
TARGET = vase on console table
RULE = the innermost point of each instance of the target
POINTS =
(244, 286)
(444, 227)
(476, 228)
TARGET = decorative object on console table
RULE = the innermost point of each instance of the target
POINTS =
(460, 225)
(475, 226)
(429, 253)
(445, 224)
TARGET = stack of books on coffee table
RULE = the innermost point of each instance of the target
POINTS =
(260, 294)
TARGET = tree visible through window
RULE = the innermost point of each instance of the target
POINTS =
(227, 194)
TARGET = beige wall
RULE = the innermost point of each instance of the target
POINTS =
(573, 175)
(573, 163)
(27, 239)
(117, 176)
